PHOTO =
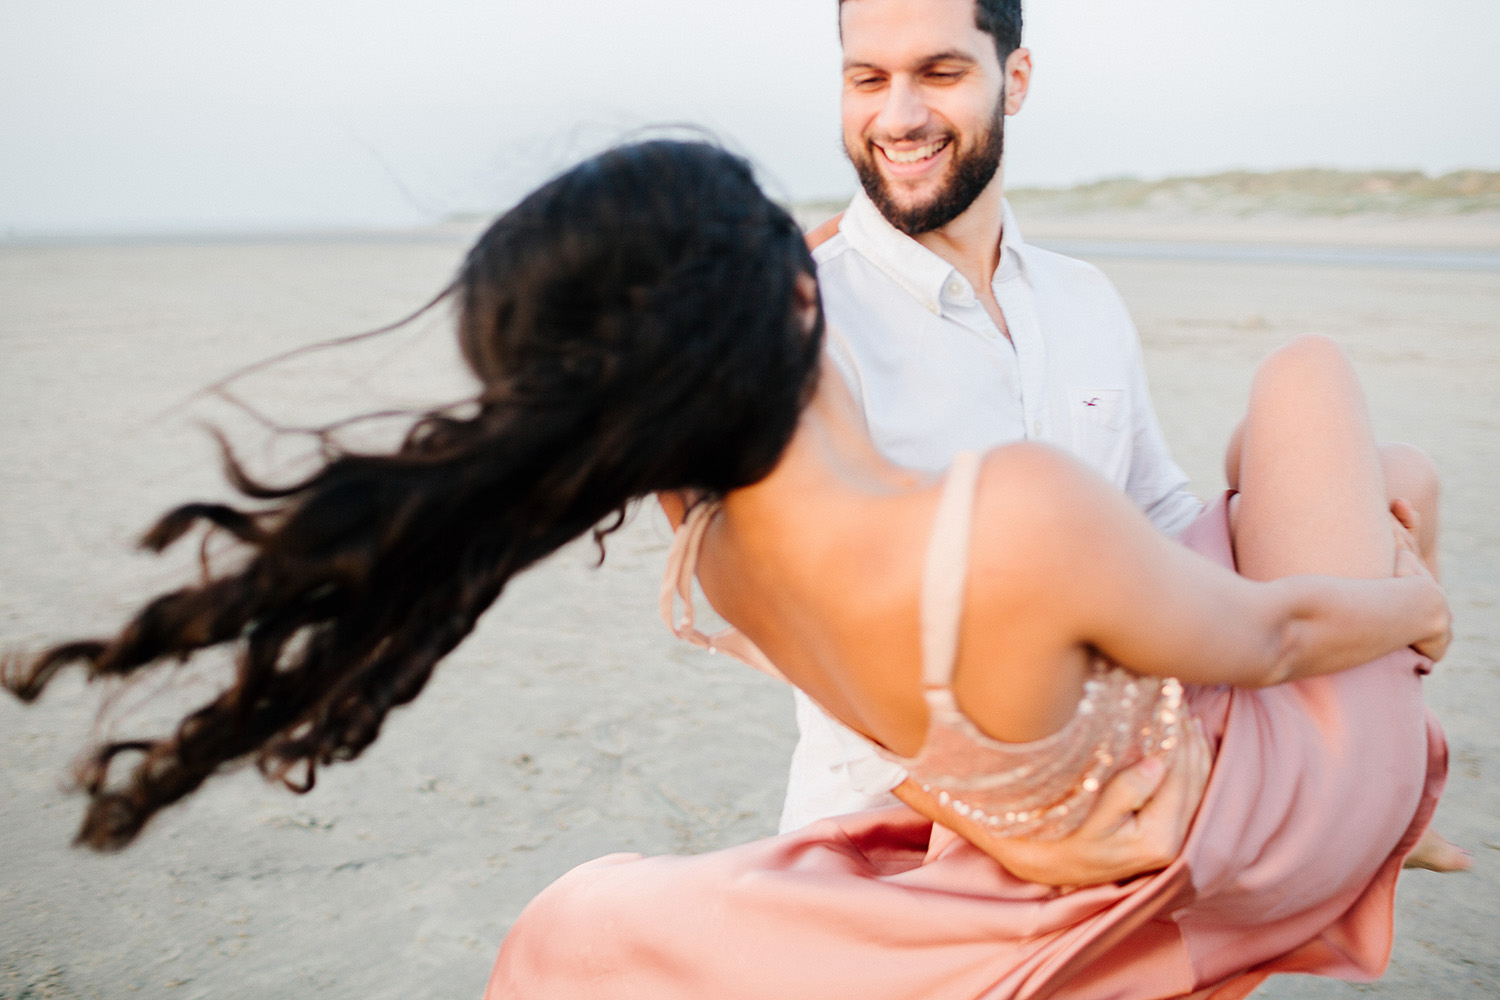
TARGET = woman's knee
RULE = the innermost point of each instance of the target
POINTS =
(1311, 357)
(1309, 385)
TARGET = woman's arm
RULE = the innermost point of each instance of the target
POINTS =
(1073, 563)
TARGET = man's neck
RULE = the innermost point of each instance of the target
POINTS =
(971, 242)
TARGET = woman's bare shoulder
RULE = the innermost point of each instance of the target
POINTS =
(1022, 660)
(1032, 499)
(1041, 521)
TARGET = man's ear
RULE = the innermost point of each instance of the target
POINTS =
(1017, 79)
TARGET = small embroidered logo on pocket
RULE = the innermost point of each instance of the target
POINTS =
(1099, 407)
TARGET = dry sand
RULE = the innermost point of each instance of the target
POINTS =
(570, 725)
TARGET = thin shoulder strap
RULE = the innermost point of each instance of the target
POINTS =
(682, 566)
(945, 570)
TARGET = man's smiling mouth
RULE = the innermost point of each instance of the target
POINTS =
(916, 154)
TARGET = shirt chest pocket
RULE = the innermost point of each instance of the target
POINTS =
(1100, 422)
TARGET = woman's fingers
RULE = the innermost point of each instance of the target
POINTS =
(1408, 515)
(1406, 527)
(1434, 647)
(1408, 563)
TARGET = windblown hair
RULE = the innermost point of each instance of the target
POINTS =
(635, 326)
(1001, 19)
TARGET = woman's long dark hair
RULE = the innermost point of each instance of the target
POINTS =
(635, 326)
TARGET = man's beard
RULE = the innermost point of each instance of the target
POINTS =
(968, 175)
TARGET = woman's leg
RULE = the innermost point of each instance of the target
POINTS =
(1316, 491)
(1410, 479)
(1311, 481)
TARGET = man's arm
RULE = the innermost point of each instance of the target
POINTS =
(1156, 484)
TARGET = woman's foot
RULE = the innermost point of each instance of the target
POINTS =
(1438, 854)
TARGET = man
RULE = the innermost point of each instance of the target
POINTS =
(953, 333)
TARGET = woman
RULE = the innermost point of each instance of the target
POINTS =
(648, 322)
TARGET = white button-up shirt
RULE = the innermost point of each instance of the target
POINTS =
(935, 377)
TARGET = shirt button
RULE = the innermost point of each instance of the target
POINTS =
(955, 288)
(1036, 428)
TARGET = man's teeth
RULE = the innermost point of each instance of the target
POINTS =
(914, 155)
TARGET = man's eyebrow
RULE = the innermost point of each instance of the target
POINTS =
(951, 55)
(948, 55)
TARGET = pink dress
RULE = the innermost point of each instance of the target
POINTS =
(1319, 789)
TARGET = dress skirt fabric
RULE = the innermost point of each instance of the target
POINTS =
(1319, 790)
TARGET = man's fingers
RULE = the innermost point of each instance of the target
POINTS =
(1127, 793)
(1165, 820)
(1138, 825)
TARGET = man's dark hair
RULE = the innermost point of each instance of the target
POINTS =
(1001, 20)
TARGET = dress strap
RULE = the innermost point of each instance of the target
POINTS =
(945, 570)
(677, 582)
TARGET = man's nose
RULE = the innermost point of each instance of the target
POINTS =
(904, 112)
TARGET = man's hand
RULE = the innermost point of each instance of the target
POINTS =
(1138, 825)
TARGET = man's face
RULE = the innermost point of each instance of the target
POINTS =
(923, 107)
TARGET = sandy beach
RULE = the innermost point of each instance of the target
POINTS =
(571, 724)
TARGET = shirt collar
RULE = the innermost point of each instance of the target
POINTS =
(916, 269)
(1012, 245)
(1010, 236)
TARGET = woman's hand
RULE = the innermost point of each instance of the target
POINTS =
(1436, 645)
(1138, 824)
(1407, 527)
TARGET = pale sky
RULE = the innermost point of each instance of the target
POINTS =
(211, 115)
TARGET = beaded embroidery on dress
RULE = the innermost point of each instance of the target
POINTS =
(1044, 788)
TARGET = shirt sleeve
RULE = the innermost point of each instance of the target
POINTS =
(838, 348)
(1156, 484)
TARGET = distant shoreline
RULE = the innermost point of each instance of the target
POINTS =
(1393, 210)
(1424, 258)
(1329, 209)
(1475, 233)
